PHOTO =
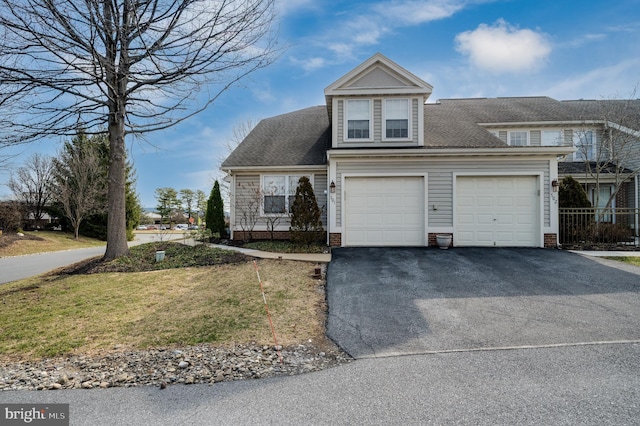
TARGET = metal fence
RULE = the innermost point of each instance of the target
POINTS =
(599, 226)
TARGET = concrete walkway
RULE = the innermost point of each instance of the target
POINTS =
(306, 257)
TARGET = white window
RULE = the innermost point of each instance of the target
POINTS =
(551, 138)
(584, 141)
(603, 195)
(519, 138)
(278, 193)
(358, 119)
(396, 118)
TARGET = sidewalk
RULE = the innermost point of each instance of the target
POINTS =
(596, 253)
(306, 257)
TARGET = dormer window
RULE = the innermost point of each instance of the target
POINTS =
(584, 141)
(519, 138)
(396, 118)
(358, 119)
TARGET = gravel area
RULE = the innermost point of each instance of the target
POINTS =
(164, 367)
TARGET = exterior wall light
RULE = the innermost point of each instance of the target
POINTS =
(555, 185)
(332, 187)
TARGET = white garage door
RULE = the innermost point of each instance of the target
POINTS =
(497, 211)
(384, 211)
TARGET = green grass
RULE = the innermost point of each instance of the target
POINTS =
(42, 241)
(633, 260)
(221, 304)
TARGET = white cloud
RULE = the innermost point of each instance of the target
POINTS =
(286, 7)
(412, 12)
(582, 40)
(370, 24)
(504, 48)
(613, 81)
(309, 64)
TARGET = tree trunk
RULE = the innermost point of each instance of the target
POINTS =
(116, 220)
(116, 75)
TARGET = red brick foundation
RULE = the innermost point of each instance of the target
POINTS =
(550, 240)
(335, 240)
(260, 235)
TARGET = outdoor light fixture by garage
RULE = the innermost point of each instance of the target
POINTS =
(332, 187)
(555, 185)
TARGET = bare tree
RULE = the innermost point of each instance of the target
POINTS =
(240, 131)
(248, 209)
(616, 157)
(11, 213)
(31, 185)
(80, 181)
(127, 66)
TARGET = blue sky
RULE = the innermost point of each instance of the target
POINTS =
(563, 49)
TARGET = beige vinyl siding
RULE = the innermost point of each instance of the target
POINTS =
(319, 190)
(504, 136)
(568, 138)
(535, 138)
(440, 180)
(440, 197)
(414, 120)
(377, 121)
(245, 198)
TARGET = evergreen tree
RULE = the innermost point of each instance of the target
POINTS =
(306, 224)
(215, 212)
(572, 195)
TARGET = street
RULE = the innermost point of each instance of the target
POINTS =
(588, 385)
(14, 268)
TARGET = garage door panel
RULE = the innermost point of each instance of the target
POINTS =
(497, 211)
(390, 211)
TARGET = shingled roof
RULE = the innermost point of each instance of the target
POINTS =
(297, 138)
(303, 137)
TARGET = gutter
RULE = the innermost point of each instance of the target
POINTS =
(451, 152)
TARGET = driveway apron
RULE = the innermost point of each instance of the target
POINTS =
(394, 301)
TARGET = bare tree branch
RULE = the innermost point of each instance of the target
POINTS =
(127, 66)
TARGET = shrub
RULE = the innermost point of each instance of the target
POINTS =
(306, 224)
(572, 194)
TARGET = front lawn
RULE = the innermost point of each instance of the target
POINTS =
(86, 310)
(42, 241)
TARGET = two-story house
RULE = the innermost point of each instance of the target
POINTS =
(390, 169)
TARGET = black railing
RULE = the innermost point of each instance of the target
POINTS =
(599, 226)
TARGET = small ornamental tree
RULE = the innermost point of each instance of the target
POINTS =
(306, 224)
(215, 212)
(572, 195)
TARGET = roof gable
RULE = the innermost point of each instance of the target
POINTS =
(378, 75)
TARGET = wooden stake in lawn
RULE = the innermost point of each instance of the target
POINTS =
(266, 306)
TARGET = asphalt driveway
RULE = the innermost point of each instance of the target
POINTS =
(392, 301)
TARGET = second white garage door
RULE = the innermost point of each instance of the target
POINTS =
(384, 211)
(497, 211)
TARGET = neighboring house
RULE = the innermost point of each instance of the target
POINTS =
(389, 169)
(607, 156)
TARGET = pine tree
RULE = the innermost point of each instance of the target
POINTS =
(306, 224)
(215, 212)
